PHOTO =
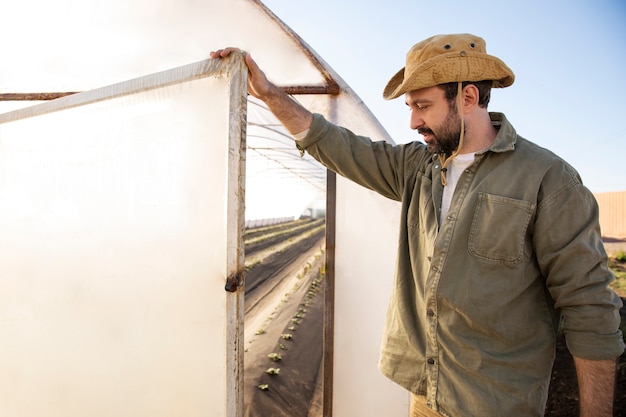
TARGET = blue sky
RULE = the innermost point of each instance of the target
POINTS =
(569, 58)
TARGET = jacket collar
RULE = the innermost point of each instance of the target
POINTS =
(507, 136)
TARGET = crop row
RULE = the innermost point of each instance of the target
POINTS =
(264, 237)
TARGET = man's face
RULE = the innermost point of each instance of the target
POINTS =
(435, 119)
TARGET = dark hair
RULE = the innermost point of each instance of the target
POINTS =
(484, 91)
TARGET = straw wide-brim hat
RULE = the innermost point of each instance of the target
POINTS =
(448, 58)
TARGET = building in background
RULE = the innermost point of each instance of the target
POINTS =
(612, 214)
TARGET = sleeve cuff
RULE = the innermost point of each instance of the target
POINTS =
(301, 135)
(595, 347)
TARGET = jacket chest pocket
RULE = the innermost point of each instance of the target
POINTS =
(498, 229)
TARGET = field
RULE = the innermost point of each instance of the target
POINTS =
(284, 318)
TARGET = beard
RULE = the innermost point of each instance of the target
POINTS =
(446, 136)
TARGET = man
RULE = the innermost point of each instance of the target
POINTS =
(499, 242)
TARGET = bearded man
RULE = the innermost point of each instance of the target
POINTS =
(499, 242)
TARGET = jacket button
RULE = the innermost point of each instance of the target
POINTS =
(430, 312)
(430, 361)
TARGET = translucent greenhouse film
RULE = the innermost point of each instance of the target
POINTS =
(121, 211)
(120, 227)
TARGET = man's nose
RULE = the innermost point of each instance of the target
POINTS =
(416, 120)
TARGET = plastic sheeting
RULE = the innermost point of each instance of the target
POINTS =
(120, 220)
(365, 255)
(67, 45)
(92, 44)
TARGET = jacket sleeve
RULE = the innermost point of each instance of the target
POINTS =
(377, 165)
(572, 258)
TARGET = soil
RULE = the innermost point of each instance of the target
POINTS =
(291, 392)
(284, 297)
(294, 392)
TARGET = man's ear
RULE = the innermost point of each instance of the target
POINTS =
(471, 96)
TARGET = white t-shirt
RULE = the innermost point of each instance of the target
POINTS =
(455, 169)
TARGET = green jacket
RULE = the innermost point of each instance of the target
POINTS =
(477, 300)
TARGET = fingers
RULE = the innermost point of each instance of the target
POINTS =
(251, 63)
(258, 85)
(223, 53)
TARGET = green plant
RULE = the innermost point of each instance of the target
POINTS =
(619, 270)
(620, 256)
(263, 387)
(275, 356)
(272, 371)
(286, 336)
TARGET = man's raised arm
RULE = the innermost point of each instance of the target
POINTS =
(289, 112)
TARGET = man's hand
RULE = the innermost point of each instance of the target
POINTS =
(288, 111)
(258, 84)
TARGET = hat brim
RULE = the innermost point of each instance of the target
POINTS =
(448, 68)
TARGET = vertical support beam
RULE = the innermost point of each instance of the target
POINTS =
(236, 225)
(329, 293)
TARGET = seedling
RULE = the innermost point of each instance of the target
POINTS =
(272, 371)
